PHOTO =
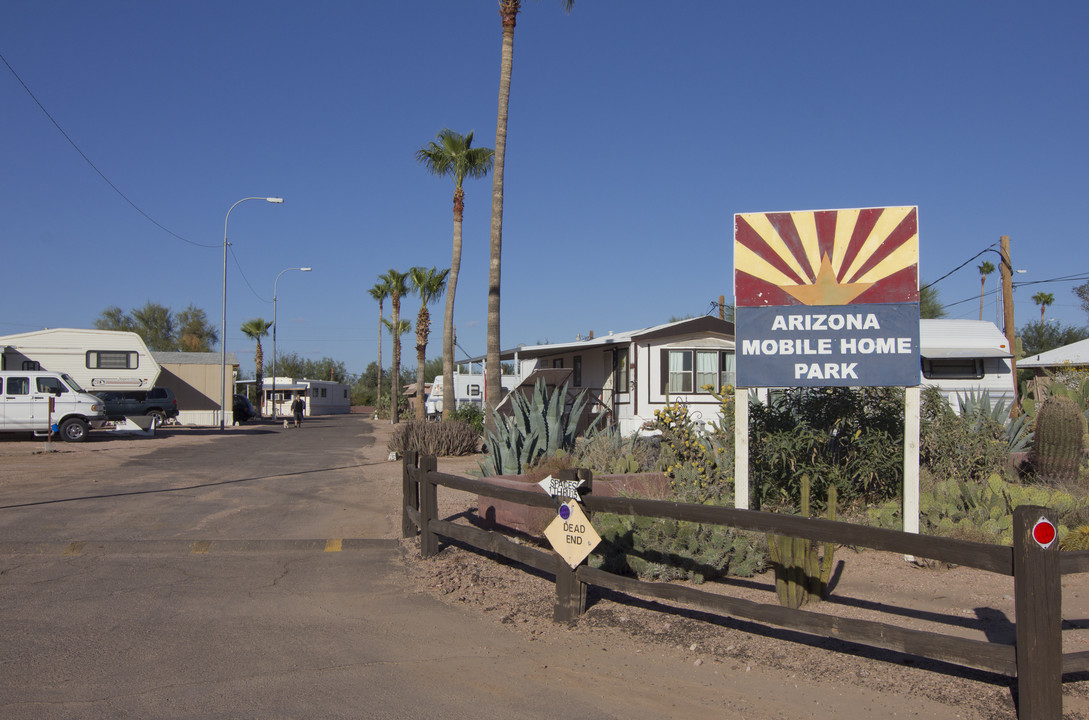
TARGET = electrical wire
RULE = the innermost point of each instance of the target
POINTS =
(243, 274)
(102, 175)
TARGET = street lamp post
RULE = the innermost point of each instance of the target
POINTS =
(303, 269)
(223, 325)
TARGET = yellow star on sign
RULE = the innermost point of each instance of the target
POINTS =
(825, 290)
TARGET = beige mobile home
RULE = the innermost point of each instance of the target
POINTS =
(98, 360)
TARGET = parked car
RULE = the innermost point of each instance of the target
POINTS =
(37, 401)
(243, 409)
(157, 403)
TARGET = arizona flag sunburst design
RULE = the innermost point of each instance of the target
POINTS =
(827, 257)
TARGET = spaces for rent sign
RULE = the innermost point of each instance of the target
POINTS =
(827, 298)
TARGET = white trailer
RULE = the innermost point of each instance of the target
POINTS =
(966, 356)
(468, 390)
(98, 360)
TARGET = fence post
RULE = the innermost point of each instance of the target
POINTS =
(410, 494)
(570, 591)
(429, 506)
(1038, 606)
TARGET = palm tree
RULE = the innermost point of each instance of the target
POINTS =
(429, 284)
(453, 155)
(255, 330)
(396, 330)
(985, 269)
(508, 15)
(1043, 299)
(397, 285)
(379, 292)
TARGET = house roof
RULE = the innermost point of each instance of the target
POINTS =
(1072, 354)
(192, 358)
(703, 324)
(961, 339)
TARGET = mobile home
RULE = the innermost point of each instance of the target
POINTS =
(98, 360)
(960, 357)
(468, 390)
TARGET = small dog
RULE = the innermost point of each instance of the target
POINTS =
(285, 424)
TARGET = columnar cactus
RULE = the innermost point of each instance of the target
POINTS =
(801, 573)
(1059, 439)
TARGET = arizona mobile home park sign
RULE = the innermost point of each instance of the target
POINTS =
(827, 298)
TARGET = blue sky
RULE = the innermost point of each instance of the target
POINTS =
(636, 131)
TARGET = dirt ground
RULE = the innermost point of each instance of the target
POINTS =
(821, 676)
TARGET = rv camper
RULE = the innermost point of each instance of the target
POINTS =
(961, 357)
(99, 360)
(468, 390)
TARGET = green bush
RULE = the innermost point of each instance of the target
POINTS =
(972, 446)
(434, 438)
(607, 452)
(472, 414)
(849, 438)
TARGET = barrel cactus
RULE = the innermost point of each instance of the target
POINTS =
(1059, 439)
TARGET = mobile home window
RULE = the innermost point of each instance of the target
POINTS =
(474, 391)
(680, 371)
(31, 365)
(953, 368)
(621, 366)
(577, 367)
(112, 360)
(690, 371)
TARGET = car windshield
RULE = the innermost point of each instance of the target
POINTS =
(71, 383)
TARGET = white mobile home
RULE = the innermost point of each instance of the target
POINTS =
(468, 390)
(630, 375)
(98, 360)
(322, 397)
(966, 356)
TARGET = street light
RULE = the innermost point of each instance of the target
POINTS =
(303, 269)
(223, 325)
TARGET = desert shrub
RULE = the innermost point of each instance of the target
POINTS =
(972, 446)
(472, 414)
(607, 452)
(850, 438)
(981, 511)
(434, 438)
(685, 449)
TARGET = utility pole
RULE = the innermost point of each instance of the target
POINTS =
(721, 307)
(1007, 306)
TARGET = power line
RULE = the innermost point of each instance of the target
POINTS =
(102, 175)
(989, 248)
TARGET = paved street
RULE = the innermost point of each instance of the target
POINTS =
(255, 574)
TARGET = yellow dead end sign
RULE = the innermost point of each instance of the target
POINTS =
(571, 534)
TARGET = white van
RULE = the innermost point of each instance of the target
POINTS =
(34, 401)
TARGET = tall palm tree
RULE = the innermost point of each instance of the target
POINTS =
(1043, 299)
(379, 292)
(985, 269)
(256, 329)
(397, 285)
(453, 155)
(396, 330)
(508, 16)
(429, 285)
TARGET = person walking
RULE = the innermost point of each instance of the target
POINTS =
(298, 407)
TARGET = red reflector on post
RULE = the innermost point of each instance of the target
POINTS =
(1044, 533)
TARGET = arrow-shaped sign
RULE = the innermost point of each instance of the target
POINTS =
(564, 489)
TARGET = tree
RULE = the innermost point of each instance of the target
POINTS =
(379, 292)
(508, 16)
(930, 307)
(1043, 299)
(396, 284)
(194, 334)
(453, 155)
(256, 329)
(396, 329)
(985, 269)
(1082, 293)
(161, 330)
(1041, 337)
(429, 285)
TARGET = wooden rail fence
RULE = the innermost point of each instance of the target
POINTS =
(1035, 659)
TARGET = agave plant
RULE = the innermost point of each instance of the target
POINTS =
(978, 407)
(538, 425)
